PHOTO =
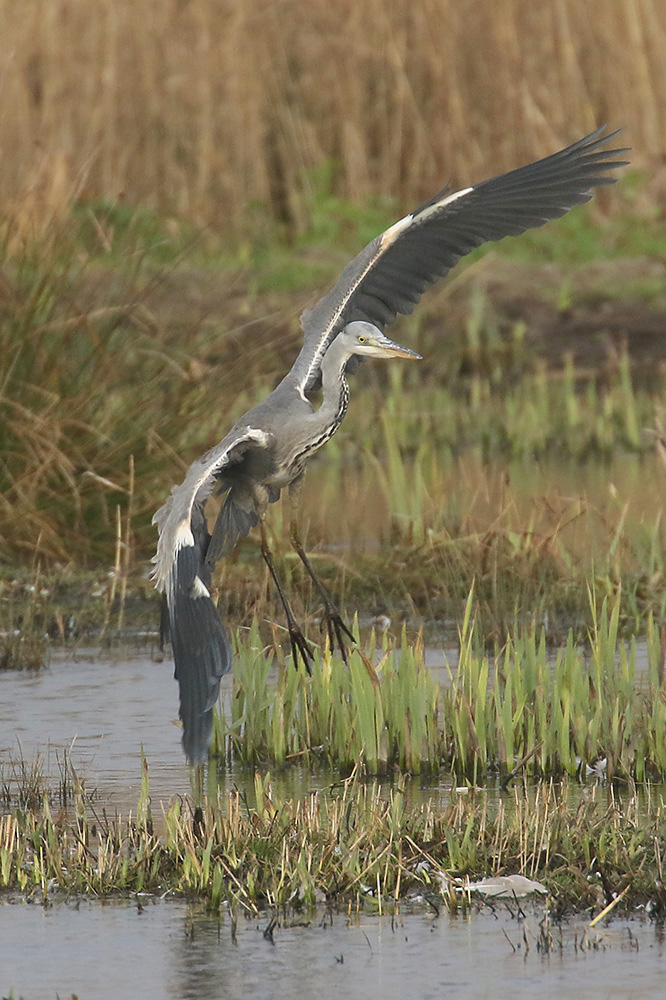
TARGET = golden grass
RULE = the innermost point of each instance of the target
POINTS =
(207, 106)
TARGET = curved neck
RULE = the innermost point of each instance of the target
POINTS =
(324, 422)
(335, 390)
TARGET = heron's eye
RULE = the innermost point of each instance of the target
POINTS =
(362, 340)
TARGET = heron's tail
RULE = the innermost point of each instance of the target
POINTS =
(201, 651)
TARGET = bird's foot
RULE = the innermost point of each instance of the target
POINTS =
(300, 647)
(337, 630)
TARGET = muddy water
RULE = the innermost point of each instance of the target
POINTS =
(169, 949)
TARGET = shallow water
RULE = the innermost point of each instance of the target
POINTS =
(171, 949)
(105, 713)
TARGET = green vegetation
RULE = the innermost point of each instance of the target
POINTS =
(349, 843)
(153, 263)
(125, 351)
(525, 709)
(537, 486)
(283, 260)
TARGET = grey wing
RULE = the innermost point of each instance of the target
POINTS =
(392, 272)
(182, 515)
(201, 647)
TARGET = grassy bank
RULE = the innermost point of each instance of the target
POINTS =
(349, 844)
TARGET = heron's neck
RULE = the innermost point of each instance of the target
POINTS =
(335, 390)
(323, 423)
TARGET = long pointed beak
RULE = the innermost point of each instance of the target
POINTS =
(386, 348)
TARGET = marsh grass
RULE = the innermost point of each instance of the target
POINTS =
(24, 784)
(499, 721)
(534, 488)
(531, 540)
(349, 844)
(59, 398)
(23, 643)
(523, 709)
(375, 710)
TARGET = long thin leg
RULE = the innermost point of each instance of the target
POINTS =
(299, 644)
(335, 626)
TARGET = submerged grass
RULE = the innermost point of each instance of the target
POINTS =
(522, 710)
(347, 844)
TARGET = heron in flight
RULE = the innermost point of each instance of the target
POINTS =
(268, 448)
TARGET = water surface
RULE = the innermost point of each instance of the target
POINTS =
(110, 712)
(105, 713)
(171, 949)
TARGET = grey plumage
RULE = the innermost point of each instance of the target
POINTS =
(390, 275)
(267, 449)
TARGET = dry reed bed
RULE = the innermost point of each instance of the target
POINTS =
(205, 107)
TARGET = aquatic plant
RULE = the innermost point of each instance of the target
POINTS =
(525, 708)
(351, 843)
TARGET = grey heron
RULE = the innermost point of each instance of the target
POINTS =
(267, 449)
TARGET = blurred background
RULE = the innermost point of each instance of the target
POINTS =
(180, 178)
(203, 107)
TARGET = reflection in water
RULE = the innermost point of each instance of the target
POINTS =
(111, 712)
(106, 712)
(170, 949)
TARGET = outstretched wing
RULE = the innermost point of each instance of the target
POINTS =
(392, 272)
(201, 647)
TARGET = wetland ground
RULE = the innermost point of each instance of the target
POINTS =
(503, 508)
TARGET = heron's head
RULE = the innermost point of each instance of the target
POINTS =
(365, 339)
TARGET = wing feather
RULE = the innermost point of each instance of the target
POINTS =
(391, 273)
(201, 648)
(174, 518)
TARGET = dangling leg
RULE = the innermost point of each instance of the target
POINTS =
(332, 618)
(299, 644)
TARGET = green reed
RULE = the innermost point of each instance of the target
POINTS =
(112, 386)
(524, 708)
(102, 372)
(382, 708)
